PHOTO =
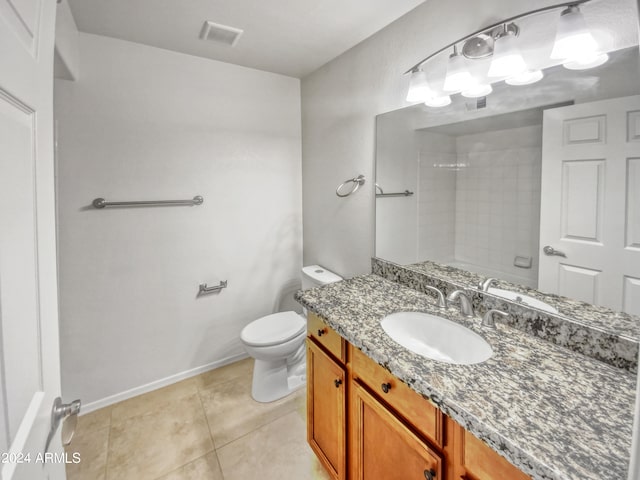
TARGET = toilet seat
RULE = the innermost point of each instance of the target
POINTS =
(273, 329)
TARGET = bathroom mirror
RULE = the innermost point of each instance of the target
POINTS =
(488, 185)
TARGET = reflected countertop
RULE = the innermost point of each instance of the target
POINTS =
(552, 412)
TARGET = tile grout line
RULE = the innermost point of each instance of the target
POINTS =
(106, 459)
(215, 452)
(206, 418)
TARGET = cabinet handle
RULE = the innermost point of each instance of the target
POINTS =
(321, 332)
(386, 387)
(430, 474)
(337, 382)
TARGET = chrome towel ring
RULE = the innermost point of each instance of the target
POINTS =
(357, 183)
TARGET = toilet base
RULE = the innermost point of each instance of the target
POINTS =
(273, 380)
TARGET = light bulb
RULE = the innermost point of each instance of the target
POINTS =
(458, 77)
(479, 90)
(507, 60)
(438, 101)
(587, 62)
(525, 78)
(419, 89)
(573, 39)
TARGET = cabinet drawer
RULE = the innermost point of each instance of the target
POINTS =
(416, 410)
(326, 336)
(480, 461)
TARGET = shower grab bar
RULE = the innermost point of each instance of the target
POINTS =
(203, 288)
(406, 193)
(101, 202)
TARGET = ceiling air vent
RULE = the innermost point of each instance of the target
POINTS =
(214, 32)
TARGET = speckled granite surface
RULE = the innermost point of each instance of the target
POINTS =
(553, 413)
(611, 337)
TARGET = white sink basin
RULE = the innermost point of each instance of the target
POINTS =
(522, 298)
(436, 338)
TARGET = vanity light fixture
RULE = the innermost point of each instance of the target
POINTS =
(507, 60)
(419, 89)
(574, 41)
(574, 46)
(458, 77)
(525, 78)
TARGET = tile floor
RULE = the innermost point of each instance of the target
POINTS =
(204, 428)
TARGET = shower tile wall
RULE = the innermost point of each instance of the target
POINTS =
(489, 211)
(498, 200)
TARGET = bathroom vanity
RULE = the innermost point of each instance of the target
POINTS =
(392, 430)
(533, 410)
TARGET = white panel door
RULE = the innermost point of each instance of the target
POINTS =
(590, 207)
(29, 351)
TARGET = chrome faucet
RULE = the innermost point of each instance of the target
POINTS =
(485, 285)
(466, 307)
(489, 319)
(442, 302)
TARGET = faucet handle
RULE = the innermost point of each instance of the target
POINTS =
(442, 301)
(489, 319)
(486, 284)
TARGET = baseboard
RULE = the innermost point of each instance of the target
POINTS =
(163, 382)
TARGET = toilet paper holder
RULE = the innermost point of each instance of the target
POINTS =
(206, 289)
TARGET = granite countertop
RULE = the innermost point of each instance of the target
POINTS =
(553, 413)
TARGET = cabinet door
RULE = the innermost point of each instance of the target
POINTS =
(383, 447)
(326, 405)
(483, 463)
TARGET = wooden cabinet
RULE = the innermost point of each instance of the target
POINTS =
(326, 410)
(421, 414)
(481, 463)
(394, 433)
(383, 447)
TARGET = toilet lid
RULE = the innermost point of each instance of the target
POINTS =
(273, 329)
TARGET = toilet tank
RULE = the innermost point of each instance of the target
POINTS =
(315, 276)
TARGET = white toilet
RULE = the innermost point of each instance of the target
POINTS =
(277, 344)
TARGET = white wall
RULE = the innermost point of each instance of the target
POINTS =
(145, 123)
(396, 171)
(339, 104)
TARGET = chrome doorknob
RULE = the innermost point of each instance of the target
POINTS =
(67, 413)
(549, 250)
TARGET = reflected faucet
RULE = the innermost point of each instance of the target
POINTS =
(442, 302)
(466, 307)
(485, 285)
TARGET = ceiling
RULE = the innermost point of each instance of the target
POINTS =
(282, 36)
